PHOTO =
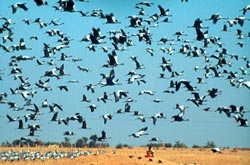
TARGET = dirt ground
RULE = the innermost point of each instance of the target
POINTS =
(136, 156)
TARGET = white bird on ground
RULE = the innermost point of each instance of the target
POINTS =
(216, 150)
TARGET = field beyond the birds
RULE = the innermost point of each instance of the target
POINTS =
(136, 155)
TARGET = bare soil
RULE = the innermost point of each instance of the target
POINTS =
(136, 156)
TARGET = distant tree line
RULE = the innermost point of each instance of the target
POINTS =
(177, 144)
(92, 142)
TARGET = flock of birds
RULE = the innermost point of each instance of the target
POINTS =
(15, 156)
(58, 81)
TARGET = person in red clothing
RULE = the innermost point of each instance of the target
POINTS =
(150, 152)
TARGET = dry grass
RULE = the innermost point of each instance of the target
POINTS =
(136, 156)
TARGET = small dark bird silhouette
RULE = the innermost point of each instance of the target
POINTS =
(103, 137)
(84, 125)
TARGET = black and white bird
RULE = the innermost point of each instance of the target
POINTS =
(109, 80)
(106, 117)
(140, 132)
(20, 124)
(166, 65)
(103, 137)
(85, 99)
(181, 108)
(197, 24)
(216, 150)
(104, 97)
(92, 107)
(135, 21)
(214, 92)
(113, 60)
(215, 18)
(224, 109)
(163, 12)
(137, 63)
(186, 83)
(243, 122)
(84, 125)
(33, 128)
(111, 18)
(179, 118)
(142, 118)
(11, 119)
(40, 2)
(155, 139)
(148, 92)
(119, 94)
(156, 116)
(17, 6)
(68, 133)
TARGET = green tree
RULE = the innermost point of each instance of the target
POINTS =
(66, 142)
(168, 145)
(79, 143)
(196, 146)
(6, 144)
(93, 137)
(92, 144)
(179, 144)
(210, 144)
(82, 142)
(85, 139)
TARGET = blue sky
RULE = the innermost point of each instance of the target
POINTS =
(202, 127)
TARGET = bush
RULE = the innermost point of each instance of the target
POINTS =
(156, 145)
(119, 146)
(196, 146)
(168, 145)
(210, 144)
(179, 144)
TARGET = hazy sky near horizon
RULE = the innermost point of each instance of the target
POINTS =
(202, 126)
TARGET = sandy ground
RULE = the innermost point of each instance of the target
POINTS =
(136, 156)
